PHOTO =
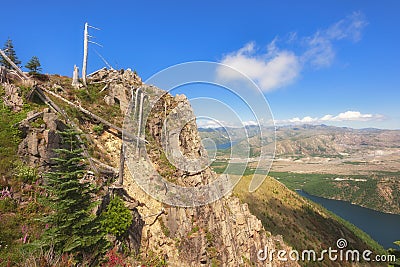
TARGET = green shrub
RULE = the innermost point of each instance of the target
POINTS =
(26, 174)
(9, 137)
(195, 229)
(8, 205)
(117, 219)
(98, 129)
(164, 228)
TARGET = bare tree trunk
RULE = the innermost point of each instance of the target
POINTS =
(136, 112)
(136, 103)
(140, 121)
(3, 74)
(19, 71)
(75, 77)
(121, 165)
(165, 125)
(85, 54)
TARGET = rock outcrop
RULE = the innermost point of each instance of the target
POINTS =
(119, 85)
(40, 139)
(223, 233)
(13, 97)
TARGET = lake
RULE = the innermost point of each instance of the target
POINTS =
(221, 146)
(382, 227)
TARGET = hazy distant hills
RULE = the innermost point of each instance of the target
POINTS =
(357, 165)
(311, 140)
(327, 140)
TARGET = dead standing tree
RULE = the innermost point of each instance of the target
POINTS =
(86, 40)
(138, 114)
(75, 77)
(3, 74)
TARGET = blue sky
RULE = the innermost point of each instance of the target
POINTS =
(336, 63)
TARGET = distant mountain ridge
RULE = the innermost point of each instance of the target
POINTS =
(305, 140)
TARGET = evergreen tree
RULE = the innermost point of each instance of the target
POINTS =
(34, 65)
(73, 228)
(117, 219)
(10, 52)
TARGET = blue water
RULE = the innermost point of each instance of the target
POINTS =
(226, 145)
(382, 227)
(223, 146)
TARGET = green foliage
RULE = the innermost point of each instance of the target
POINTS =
(195, 229)
(9, 137)
(8, 205)
(10, 52)
(164, 228)
(117, 219)
(26, 174)
(302, 224)
(210, 238)
(37, 123)
(93, 100)
(167, 169)
(215, 262)
(396, 253)
(222, 166)
(34, 65)
(98, 129)
(73, 228)
(154, 259)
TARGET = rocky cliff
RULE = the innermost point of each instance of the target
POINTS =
(223, 233)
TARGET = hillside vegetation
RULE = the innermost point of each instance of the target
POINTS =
(303, 224)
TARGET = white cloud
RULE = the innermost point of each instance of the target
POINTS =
(207, 123)
(250, 123)
(348, 28)
(344, 116)
(275, 67)
(355, 116)
(270, 70)
(306, 119)
(320, 51)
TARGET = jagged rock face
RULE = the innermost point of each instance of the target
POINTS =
(13, 97)
(223, 233)
(36, 149)
(119, 85)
